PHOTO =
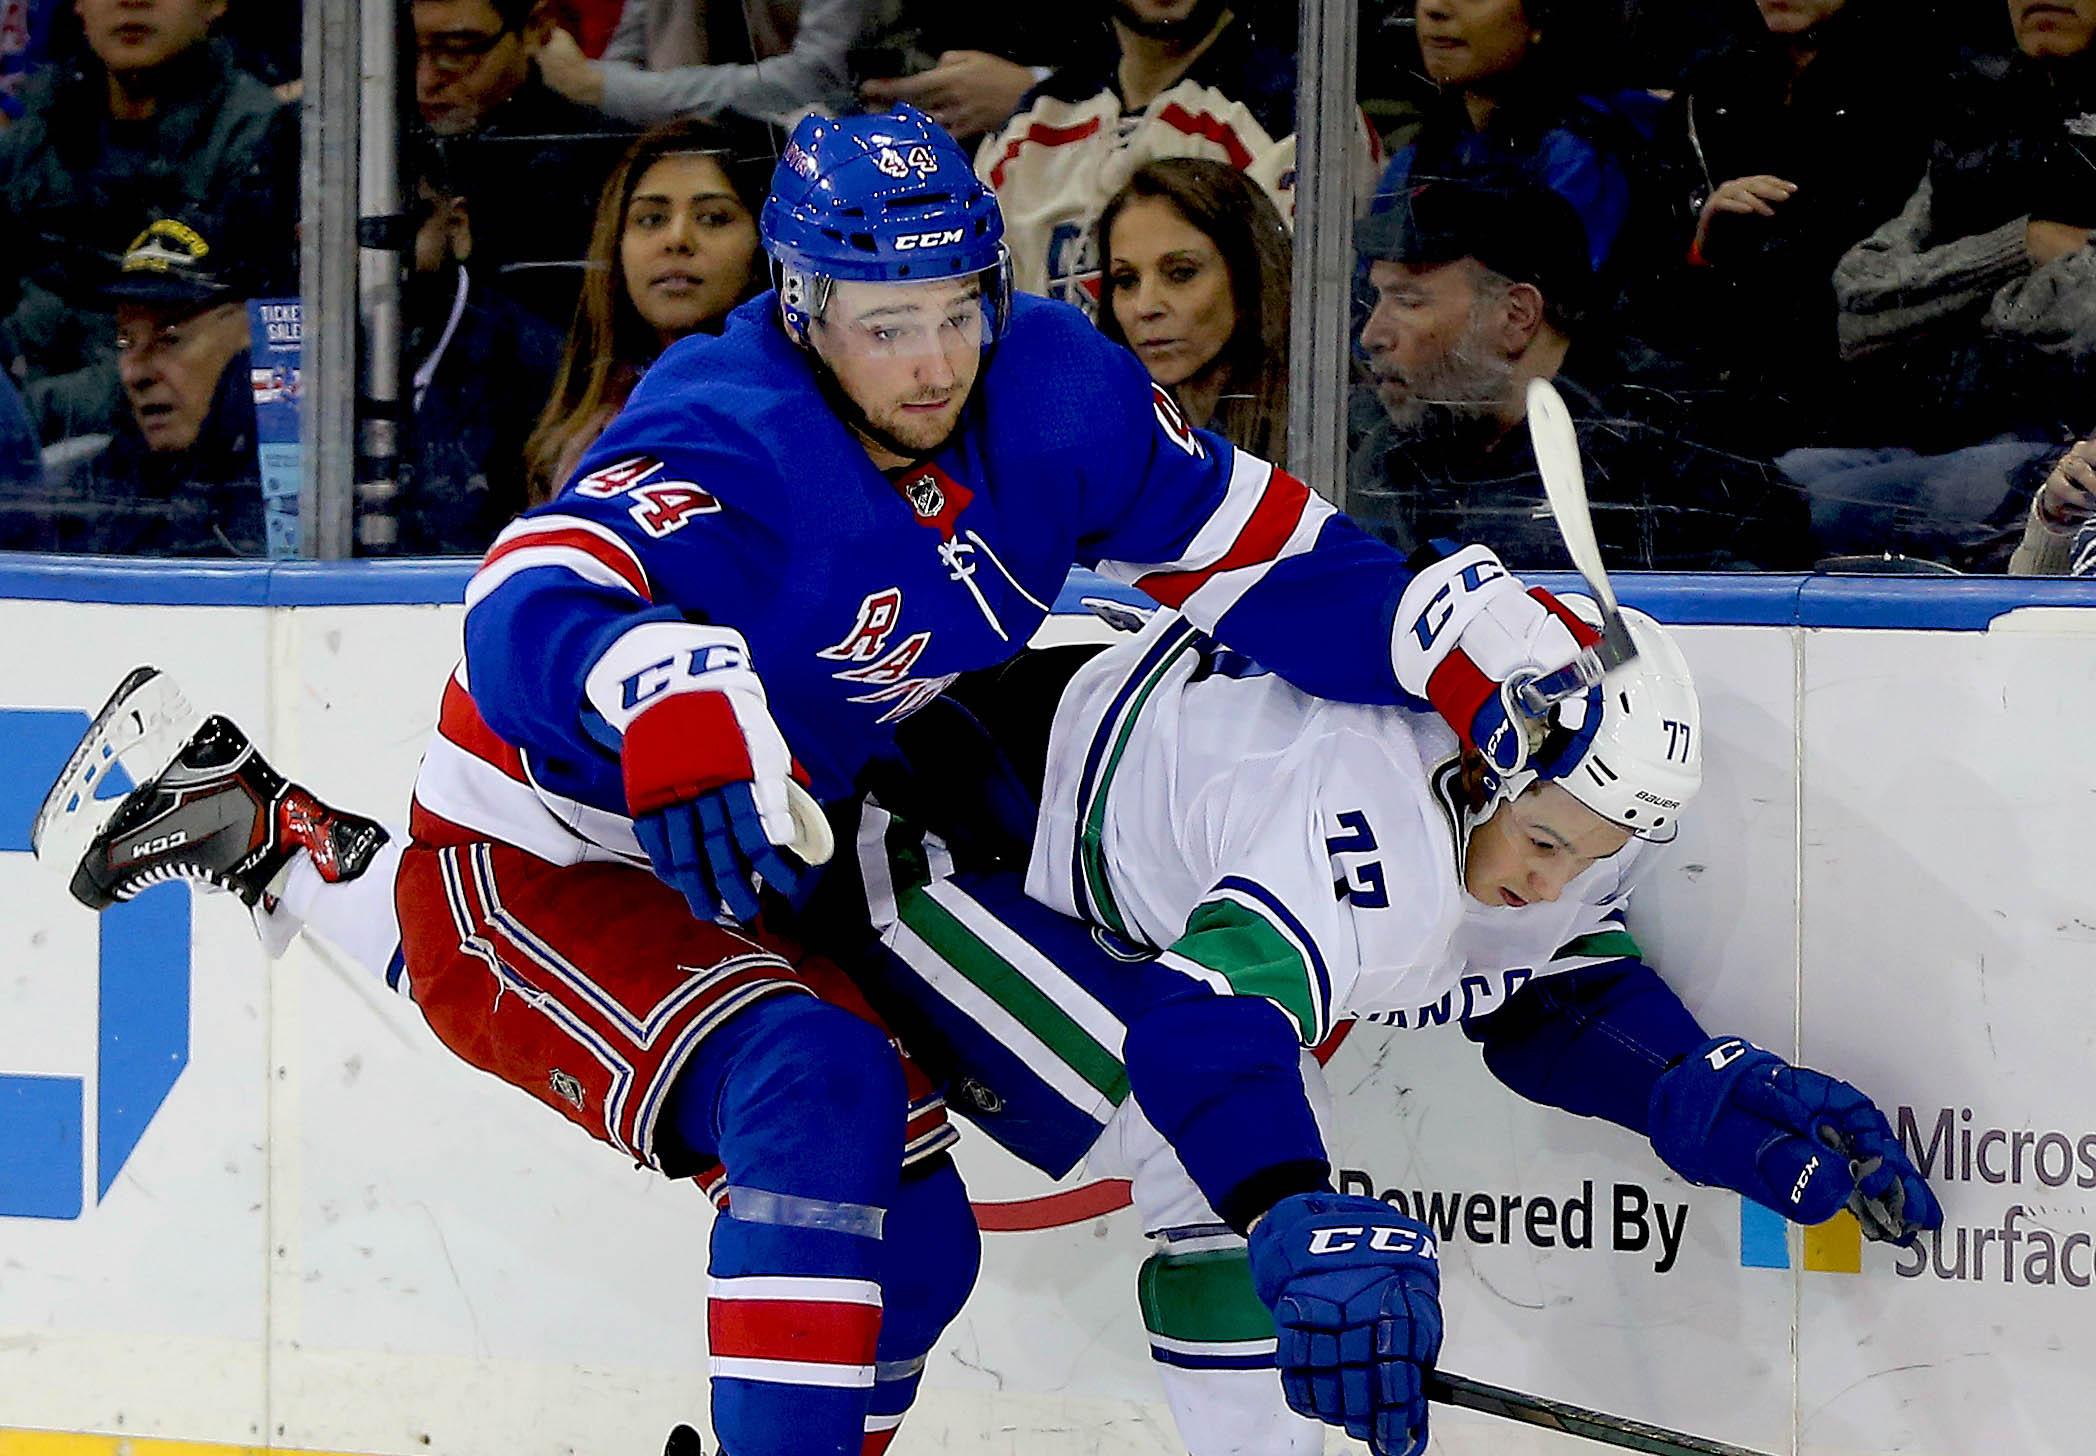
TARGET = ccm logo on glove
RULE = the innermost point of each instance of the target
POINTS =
(657, 678)
(1345, 1240)
(1442, 604)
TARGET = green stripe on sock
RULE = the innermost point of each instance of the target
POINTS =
(1243, 947)
(1605, 944)
(1204, 1297)
(1008, 986)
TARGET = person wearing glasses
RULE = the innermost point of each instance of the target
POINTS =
(178, 476)
(532, 161)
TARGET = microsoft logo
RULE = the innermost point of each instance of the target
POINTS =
(1833, 1247)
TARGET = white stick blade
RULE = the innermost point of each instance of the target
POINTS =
(1556, 445)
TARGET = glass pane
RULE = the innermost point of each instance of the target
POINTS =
(1150, 179)
(150, 170)
(1792, 303)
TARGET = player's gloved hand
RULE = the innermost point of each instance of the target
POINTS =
(1798, 1141)
(1356, 1295)
(705, 766)
(1468, 633)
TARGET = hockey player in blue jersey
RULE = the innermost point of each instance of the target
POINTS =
(796, 534)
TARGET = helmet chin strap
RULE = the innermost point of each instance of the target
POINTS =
(1499, 792)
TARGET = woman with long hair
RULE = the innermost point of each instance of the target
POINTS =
(1195, 278)
(673, 250)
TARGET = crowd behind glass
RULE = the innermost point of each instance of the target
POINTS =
(1814, 276)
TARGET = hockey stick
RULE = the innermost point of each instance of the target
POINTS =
(1556, 445)
(1572, 1420)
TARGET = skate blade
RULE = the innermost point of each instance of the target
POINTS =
(142, 728)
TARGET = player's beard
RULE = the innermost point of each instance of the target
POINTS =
(1458, 397)
(869, 431)
(918, 436)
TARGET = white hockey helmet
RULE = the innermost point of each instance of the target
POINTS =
(1645, 760)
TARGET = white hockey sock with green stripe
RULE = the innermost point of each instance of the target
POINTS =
(1213, 1342)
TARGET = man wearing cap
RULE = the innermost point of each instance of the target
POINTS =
(155, 121)
(1481, 286)
(178, 477)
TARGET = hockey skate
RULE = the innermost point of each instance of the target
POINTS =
(208, 808)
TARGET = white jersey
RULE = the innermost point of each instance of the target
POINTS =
(1275, 844)
(1055, 165)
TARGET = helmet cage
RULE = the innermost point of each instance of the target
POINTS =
(804, 295)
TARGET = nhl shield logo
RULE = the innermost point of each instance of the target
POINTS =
(567, 1089)
(926, 498)
(935, 498)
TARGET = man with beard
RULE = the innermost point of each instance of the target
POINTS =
(1481, 286)
(1178, 78)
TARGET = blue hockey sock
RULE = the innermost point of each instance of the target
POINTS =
(929, 1256)
(803, 1103)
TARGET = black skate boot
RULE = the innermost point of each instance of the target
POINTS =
(207, 808)
(684, 1441)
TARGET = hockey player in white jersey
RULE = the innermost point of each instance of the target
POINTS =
(1302, 862)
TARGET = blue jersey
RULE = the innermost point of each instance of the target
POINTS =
(729, 491)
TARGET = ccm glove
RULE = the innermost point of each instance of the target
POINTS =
(1356, 1296)
(705, 766)
(1468, 634)
(1795, 1140)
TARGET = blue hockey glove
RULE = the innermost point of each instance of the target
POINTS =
(1466, 633)
(1801, 1142)
(1356, 1296)
(705, 767)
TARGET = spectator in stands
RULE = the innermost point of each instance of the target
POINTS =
(1968, 322)
(481, 367)
(769, 60)
(1985, 272)
(531, 161)
(674, 249)
(1184, 78)
(1480, 289)
(179, 477)
(1525, 86)
(25, 27)
(155, 122)
(1195, 281)
(1799, 142)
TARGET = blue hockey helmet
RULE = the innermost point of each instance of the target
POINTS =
(886, 198)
